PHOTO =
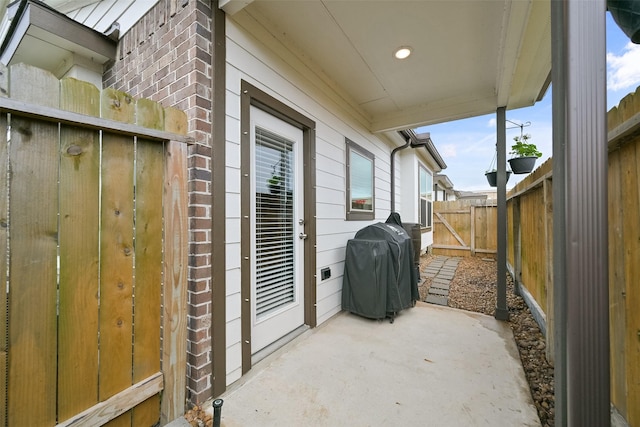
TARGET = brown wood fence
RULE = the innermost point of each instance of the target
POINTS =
(465, 228)
(530, 250)
(93, 240)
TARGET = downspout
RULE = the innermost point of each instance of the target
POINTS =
(413, 141)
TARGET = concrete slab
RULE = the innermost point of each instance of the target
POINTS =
(434, 366)
(438, 291)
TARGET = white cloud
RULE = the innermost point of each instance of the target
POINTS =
(623, 72)
(491, 123)
(448, 150)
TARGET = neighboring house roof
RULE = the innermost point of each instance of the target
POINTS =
(37, 34)
(424, 140)
(470, 195)
(443, 181)
(468, 57)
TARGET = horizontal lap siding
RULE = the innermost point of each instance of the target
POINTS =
(291, 83)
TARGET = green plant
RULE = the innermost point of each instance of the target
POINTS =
(523, 148)
(274, 180)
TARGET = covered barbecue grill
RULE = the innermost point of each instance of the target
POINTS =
(379, 275)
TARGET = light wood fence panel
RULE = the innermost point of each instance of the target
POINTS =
(534, 195)
(630, 207)
(617, 291)
(79, 233)
(533, 245)
(148, 263)
(33, 220)
(465, 228)
(93, 219)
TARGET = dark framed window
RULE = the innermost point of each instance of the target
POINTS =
(425, 196)
(360, 192)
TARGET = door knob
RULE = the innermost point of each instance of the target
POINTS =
(302, 236)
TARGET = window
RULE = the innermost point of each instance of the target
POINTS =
(360, 183)
(425, 196)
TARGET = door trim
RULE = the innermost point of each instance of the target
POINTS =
(252, 96)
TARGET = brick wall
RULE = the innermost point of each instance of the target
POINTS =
(166, 57)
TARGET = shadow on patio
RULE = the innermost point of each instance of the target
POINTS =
(435, 366)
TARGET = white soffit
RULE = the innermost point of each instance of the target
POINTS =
(469, 56)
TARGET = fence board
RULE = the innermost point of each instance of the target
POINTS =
(3, 268)
(631, 244)
(116, 271)
(79, 225)
(174, 317)
(148, 263)
(547, 189)
(117, 404)
(33, 216)
(118, 106)
(617, 322)
(533, 248)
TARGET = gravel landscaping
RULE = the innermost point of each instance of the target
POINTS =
(473, 288)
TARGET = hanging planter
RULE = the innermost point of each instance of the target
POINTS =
(626, 13)
(520, 165)
(492, 172)
(492, 177)
(525, 154)
(275, 184)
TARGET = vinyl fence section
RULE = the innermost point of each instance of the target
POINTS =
(93, 232)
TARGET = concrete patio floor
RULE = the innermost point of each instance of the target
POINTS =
(434, 366)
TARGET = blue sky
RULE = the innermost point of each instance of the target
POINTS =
(468, 146)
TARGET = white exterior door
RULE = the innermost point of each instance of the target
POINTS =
(277, 265)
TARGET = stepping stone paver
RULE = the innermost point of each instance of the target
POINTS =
(441, 270)
(439, 300)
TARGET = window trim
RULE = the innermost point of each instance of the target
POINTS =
(359, 215)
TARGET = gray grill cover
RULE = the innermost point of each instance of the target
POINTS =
(378, 274)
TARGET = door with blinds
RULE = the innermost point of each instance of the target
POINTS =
(277, 230)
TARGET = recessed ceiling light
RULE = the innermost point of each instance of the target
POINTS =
(403, 52)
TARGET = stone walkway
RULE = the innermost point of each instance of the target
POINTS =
(441, 270)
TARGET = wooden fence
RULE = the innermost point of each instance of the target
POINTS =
(93, 238)
(530, 251)
(465, 228)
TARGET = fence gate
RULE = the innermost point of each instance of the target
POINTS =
(84, 205)
(464, 228)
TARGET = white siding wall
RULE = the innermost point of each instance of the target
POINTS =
(408, 189)
(275, 71)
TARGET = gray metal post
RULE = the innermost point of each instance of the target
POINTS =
(585, 233)
(559, 224)
(502, 312)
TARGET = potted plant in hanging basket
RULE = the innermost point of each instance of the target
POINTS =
(492, 177)
(275, 184)
(525, 155)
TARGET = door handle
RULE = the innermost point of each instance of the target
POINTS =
(302, 236)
